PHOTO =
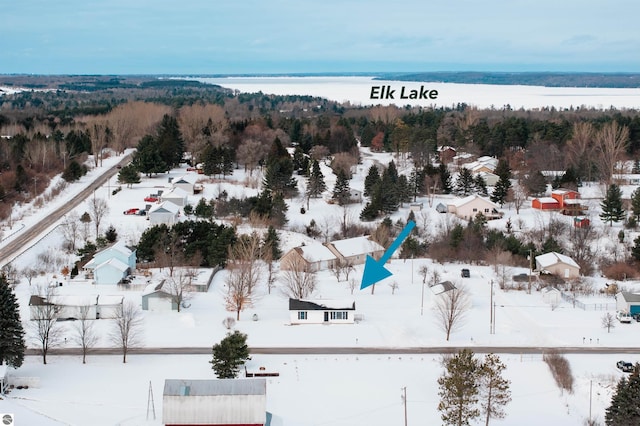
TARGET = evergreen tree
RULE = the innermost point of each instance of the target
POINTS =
(147, 158)
(459, 389)
(445, 179)
(272, 242)
(635, 250)
(129, 175)
(635, 204)
(416, 183)
(12, 344)
(535, 183)
(341, 190)
(74, 171)
(278, 178)
(636, 167)
(371, 180)
(315, 183)
(481, 186)
(369, 212)
(229, 355)
(111, 234)
(612, 210)
(501, 190)
(465, 183)
(404, 189)
(625, 402)
(494, 389)
(386, 195)
(169, 141)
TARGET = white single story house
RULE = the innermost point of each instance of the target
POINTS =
(628, 302)
(228, 402)
(165, 213)
(69, 306)
(354, 251)
(322, 311)
(557, 264)
(111, 265)
(467, 208)
(177, 196)
(309, 257)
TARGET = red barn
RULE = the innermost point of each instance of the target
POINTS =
(569, 201)
(545, 203)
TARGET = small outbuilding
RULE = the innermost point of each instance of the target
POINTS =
(442, 287)
(185, 182)
(545, 203)
(551, 295)
(215, 402)
(322, 311)
(156, 298)
(166, 213)
(177, 196)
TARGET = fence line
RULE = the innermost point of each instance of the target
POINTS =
(567, 297)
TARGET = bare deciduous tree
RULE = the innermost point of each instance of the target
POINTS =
(44, 326)
(70, 228)
(250, 153)
(298, 282)
(29, 273)
(238, 295)
(611, 144)
(579, 149)
(85, 335)
(179, 286)
(98, 209)
(244, 272)
(127, 328)
(608, 321)
(451, 308)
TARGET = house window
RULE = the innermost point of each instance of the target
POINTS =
(302, 315)
(341, 315)
(486, 210)
(475, 210)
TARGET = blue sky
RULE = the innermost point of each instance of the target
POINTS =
(286, 36)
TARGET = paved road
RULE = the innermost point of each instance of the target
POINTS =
(22, 242)
(355, 350)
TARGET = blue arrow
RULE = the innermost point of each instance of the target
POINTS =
(374, 270)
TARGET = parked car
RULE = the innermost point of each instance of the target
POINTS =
(131, 211)
(636, 316)
(151, 199)
(625, 366)
(520, 278)
(142, 213)
(623, 317)
(465, 273)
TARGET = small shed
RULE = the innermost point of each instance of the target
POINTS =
(322, 311)
(156, 298)
(581, 222)
(628, 302)
(166, 213)
(177, 196)
(551, 295)
(185, 182)
(545, 203)
(557, 264)
(229, 402)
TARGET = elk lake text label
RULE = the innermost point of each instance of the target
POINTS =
(386, 92)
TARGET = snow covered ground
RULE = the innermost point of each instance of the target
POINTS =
(325, 390)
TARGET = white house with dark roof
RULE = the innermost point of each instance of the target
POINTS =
(322, 311)
(111, 265)
(229, 402)
(628, 302)
(177, 196)
(557, 264)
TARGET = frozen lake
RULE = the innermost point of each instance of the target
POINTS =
(367, 91)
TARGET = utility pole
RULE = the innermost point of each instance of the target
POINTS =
(404, 401)
(35, 188)
(530, 268)
(491, 310)
(422, 300)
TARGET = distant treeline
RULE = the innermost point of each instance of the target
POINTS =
(548, 79)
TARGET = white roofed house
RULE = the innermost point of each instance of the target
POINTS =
(228, 402)
(310, 258)
(165, 213)
(467, 208)
(557, 264)
(322, 311)
(354, 251)
(111, 265)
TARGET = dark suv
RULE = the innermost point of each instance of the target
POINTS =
(627, 367)
(465, 273)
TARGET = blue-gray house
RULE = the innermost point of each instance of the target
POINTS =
(112, 264)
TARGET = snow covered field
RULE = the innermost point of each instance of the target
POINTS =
(357, 91)
(336, 389)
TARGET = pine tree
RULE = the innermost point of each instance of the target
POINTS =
(635, 204)
(501, 190)
(12, 344)
(459, 389)
(341, 190)
(386, 195)
(129, 175)
(636, 167)
(272, 243)
(278, 178)
(315, 183)
(169, 141)
(625, 402)
(481, 186)
(416, 183)
(635, 250)
(465, 182)
(370, 182)
(494, 389)
(147, 158)
(445, 179)
(229, 355)
(404, 189)
(612, 210)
